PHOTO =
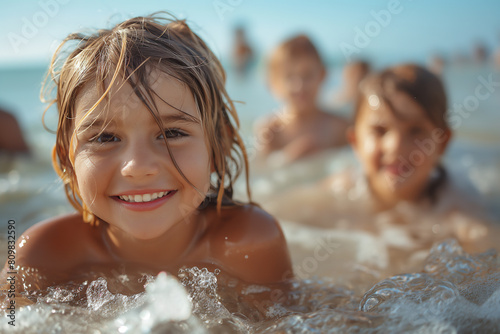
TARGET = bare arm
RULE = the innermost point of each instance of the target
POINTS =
(339, 131)
(267, 135)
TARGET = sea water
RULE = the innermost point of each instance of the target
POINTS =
(351, 286)
(454, 293)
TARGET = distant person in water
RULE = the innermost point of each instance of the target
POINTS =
(242, 52)
(496, 56)
(480, 53)
(353, 73)
(437, 64)
(11, 137)
(296, 73)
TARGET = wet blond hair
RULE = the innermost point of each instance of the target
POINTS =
(130, 51)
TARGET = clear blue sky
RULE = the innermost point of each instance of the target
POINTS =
(31, 29)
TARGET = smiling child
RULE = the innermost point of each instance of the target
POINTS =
(148, 150)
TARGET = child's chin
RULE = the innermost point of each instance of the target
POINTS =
(146, 235)
(395, 189)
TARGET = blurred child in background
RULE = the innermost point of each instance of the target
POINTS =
(296, 73)
(399, 135)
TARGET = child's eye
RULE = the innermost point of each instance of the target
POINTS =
(379, 130)
(415, 131)
(104, 138)
(172, 134)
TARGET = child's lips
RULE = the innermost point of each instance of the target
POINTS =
(145, 205)
(394, 169)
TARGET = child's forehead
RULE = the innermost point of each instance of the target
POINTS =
(308, 61)
(401, 108)
(302, 62)
(167, 93)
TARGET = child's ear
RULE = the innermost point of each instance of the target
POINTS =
(351, 137)
(445, 141)
(323, 74)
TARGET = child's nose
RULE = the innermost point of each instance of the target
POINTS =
(297, 83)
(140, 160)
(394, 144)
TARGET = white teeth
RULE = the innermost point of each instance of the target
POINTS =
(144, 197)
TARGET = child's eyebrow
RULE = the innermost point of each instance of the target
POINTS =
(180, 117)
(94, 123)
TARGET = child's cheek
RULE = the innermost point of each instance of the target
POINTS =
(369, 145)
(85, 170)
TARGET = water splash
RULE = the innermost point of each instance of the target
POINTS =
(166, 308)
(456, 292)
(202, 288)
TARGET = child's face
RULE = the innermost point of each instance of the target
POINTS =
(298, 81)
(124, 172)
(398, 150)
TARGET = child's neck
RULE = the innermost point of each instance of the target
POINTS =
(165, 250)
(300, 113)
(382, 202)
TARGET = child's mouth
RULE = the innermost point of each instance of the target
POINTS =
(396, 169)
(392, 169)
(145, 202)
(145, 198)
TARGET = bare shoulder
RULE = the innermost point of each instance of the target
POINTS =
(54, 243)
(250, 242)
(273, 123)
(335, 120)
(337, 127)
